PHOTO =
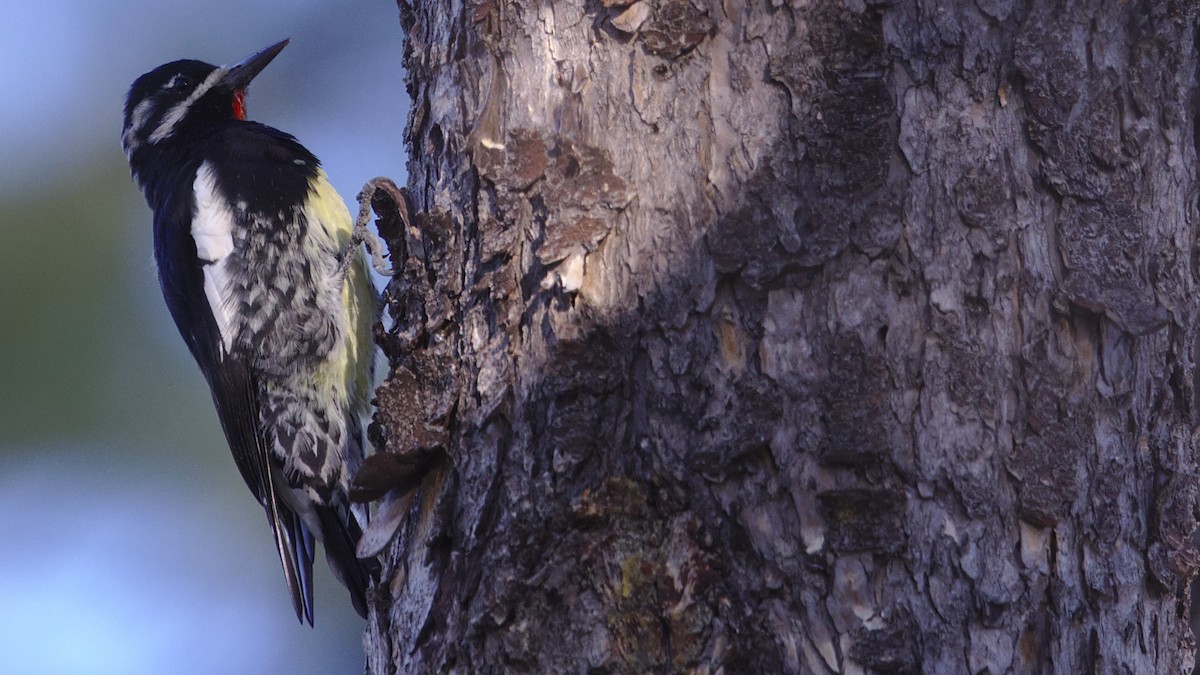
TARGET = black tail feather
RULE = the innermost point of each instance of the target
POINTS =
(340, 534)
(296, 548)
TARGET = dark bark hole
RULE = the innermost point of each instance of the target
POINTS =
(572, 168)
(436, 140)
(883, 330)
(800, 218)
(976, 306)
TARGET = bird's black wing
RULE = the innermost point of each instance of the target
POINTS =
(235, 391)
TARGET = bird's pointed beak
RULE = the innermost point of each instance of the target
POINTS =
(240, 74)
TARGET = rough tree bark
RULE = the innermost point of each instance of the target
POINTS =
(809, 337)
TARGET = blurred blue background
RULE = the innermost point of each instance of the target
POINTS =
(128, 543)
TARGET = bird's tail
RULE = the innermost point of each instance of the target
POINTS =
(341, 533)
(296, 548)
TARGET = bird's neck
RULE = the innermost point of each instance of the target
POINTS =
(162, 170)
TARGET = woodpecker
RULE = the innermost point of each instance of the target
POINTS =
(259, 265)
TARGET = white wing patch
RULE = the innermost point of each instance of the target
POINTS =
(212, 228)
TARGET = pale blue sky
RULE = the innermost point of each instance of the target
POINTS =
(129, 544)
(68, 64)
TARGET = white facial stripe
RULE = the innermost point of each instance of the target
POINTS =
(212, 228)
(176, 113)
(137, 120)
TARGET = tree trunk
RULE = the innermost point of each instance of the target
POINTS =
(810, 337)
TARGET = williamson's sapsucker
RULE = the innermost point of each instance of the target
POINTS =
(260, 270)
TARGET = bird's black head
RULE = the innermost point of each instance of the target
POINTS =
(175, 101)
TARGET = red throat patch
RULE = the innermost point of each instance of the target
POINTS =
(239, 104)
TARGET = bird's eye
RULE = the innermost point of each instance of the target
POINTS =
(179, 83)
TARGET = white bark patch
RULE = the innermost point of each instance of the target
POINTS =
(632, 18)
(571, 273)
